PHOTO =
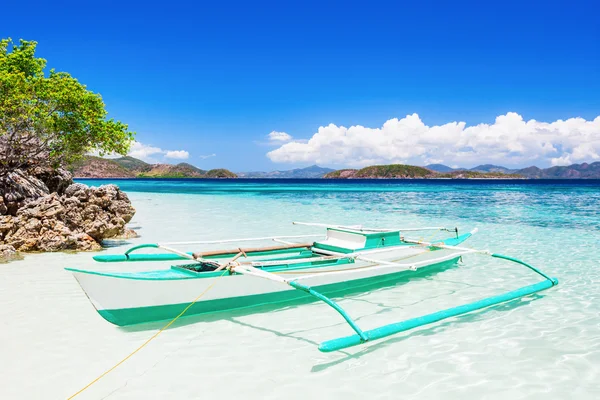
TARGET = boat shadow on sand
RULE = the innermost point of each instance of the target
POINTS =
(363, 291)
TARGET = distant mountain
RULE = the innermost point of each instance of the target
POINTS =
(532, 172)
(181, 170)
(439, 168)
(219, 173)
(486, 171)
(492, 168)
(575, 171)
(400, 171)
(129, 167)
(97, 167)
(392, 171)
(133, 164)
(312, 172)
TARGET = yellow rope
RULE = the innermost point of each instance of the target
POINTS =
(151, 338)
(430, 237)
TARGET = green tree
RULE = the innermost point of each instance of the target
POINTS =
(49, 120)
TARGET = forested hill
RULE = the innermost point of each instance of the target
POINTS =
(401, 171)
(129, 167)
(487, 171)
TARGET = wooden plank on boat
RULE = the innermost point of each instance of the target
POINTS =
(252, 250)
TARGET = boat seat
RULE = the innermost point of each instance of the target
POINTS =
(349, 241)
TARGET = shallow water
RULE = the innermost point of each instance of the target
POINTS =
(545, 346)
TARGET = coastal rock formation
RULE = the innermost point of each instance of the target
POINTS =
(71, 216)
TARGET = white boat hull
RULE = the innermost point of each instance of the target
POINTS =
(126, 301)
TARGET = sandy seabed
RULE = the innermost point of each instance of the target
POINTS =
(52, 342)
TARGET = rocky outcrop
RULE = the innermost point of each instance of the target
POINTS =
(56, 180)
(69, 217)
(17, 187)
(8, 253)
(20, 186)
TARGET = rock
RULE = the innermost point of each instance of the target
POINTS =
(104, 195)
(17, 187)
(56, 180)
(86, 242)
(6, 224)
(43, 207)
(3, 208)
(33, 225)
(78, 190)
(8, 253)
(127, 234)
(79, 219)
(123, 209)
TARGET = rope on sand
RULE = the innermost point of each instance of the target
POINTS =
(150, 339)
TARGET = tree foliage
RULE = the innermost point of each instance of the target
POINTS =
(48, 120)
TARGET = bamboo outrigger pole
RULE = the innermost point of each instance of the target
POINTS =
(361, 228)
(361, 336)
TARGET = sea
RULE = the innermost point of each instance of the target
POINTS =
(544, 346)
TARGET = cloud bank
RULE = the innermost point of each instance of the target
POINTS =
(148, 153)
(509, 141)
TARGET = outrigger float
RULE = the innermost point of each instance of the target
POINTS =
(349, 257)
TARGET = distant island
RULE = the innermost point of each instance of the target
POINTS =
(312, 172)
(486, 171)
(574, 171)
(129, 167)
(400, 171)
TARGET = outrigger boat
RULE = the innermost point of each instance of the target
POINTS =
(349, 257)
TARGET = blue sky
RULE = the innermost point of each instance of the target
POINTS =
(214, 79)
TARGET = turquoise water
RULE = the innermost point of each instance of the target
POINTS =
(545, 346)
(551, 203)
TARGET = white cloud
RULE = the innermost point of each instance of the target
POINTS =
(144, 152)
(281, 137)
(205, 156)
(177, 154)
(149, 153)
(559, 161)
(509, 141)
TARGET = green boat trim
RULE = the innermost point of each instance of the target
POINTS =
(171, 256)
(138, 315)
(177, 272)
(372, 241)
